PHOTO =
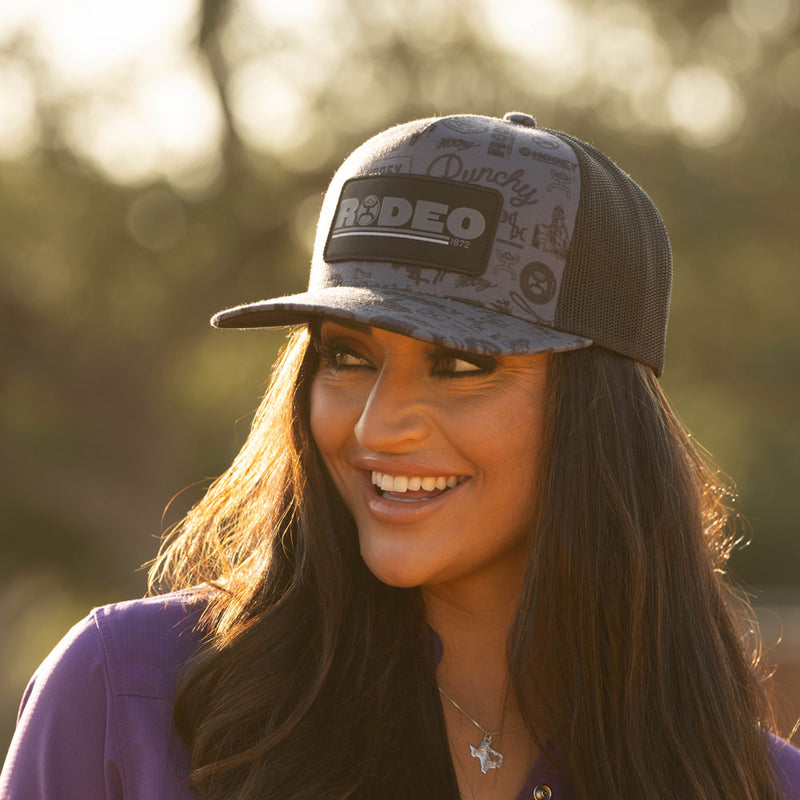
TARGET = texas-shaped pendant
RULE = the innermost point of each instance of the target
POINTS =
(489, 757)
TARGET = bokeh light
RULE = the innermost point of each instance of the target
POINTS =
(546, 36)
(269, 110)
(91, 40)
(19, 124)
(704, 106)
(768, 17)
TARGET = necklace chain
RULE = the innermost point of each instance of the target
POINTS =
(476, 723)
(484, 752)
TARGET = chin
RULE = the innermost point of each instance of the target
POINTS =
(394, 569)
(393, 574)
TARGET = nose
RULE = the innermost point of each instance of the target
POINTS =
(395, 417)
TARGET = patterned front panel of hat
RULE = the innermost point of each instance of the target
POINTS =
(465, 207)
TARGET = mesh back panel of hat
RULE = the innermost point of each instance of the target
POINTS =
(616, 286)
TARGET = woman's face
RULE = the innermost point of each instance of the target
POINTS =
(434, 452)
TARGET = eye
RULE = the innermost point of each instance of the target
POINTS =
(458, 365)
(337, 357)
(346, 358)
(462, 364)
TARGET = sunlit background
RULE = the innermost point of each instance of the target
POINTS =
(162, 159)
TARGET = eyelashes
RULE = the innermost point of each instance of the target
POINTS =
(451, 364)
(337, 355)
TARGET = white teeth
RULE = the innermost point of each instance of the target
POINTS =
(404, 483)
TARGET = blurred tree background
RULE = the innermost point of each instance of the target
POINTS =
(166, 158)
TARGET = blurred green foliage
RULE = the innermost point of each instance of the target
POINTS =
(115, 395)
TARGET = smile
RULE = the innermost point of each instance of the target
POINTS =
(421, 487)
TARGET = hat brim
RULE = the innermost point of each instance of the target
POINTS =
(443, 321)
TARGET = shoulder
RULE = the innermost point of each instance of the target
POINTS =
(96, 716)
(137, 647)
(787, 763)
(146, 642)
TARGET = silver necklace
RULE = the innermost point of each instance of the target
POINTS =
(484, 752)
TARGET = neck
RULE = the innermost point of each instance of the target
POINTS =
(474, 631)
(474, 672)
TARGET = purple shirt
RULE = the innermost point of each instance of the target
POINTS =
(96, 718)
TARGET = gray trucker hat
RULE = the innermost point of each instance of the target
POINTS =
(489, 236)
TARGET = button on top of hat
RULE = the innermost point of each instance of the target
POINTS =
(518, 118)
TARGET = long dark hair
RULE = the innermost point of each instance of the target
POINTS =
(316, 680)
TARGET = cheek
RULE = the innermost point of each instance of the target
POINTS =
(330, 419)
(320, 418)
(516, 435)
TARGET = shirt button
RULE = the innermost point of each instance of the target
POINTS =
(542, 792)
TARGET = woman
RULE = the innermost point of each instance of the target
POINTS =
(467, 549)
